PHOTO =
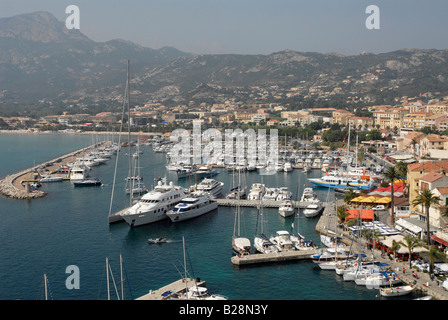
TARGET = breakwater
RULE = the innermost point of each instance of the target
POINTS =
(11, 186)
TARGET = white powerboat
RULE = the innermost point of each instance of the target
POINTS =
(312, 210)
(282, 240)
(153, 205)
(194, 205)
(286, 208)
(309, 195)
(263, 245)
(201, 293)
(256, 192)
(211, 186)
(396, 291)
(50, 178)
(79, 172)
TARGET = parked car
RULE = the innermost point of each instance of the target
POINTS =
(379, 207)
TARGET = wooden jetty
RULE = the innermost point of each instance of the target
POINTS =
(273, 257)
(178, 287)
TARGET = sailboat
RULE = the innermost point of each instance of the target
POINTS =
(116, 217)
(136, 185)
(261, 242)
(240, 245)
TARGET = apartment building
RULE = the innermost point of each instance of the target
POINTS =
(389, 117)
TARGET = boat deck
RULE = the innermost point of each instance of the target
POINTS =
(176, 287)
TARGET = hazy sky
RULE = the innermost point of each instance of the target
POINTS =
(255, 26)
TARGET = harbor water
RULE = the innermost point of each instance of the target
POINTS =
(69, 227)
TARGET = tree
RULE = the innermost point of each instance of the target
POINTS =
(402, 169)
(392, 175)
(342, 213)
(396, 245)
(410, 242)
(426, 198)
(435, 254)
(350, 195)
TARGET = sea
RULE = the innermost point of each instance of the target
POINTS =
(66, 236)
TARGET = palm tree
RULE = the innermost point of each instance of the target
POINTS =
(426, 198)
(410, 242)
(350, 195)
(435, 254)
(413, 143)
(396, 245)
(392, 175)
(402, 169)
(342, 213)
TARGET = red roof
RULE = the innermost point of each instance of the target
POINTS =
(365, 214)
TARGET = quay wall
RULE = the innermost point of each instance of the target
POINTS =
(11, 187)
(423, 283)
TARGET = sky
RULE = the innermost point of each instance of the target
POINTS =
(255, 26)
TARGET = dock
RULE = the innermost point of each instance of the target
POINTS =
(11, 185)
(264, 203)
(178, 287)
(273, 257)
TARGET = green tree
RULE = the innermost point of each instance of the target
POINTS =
(350, 195)
(402, 169)
(342, 213)
(426, 198)
(435, 254)
(410, 242)
(392, 175)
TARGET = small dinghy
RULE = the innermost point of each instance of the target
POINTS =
(157, 240)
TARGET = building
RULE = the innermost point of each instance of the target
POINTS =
(342, 117)
(418, 170)
(432, 142)
(436, 182)
(389, 118)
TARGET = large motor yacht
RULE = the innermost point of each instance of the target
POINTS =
(154, 205)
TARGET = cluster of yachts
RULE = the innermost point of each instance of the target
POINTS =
(355, 267)
(167, 200)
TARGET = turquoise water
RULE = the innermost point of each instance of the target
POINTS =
(69, 227)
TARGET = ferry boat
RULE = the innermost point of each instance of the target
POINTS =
(331, 181)
(154, 205)
(194, 205)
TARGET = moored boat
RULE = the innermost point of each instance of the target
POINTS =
(192, 206)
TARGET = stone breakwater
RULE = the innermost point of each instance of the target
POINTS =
(11, 186)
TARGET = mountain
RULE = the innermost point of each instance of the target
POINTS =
(41, 59)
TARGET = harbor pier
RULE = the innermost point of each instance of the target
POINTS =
(11, 186)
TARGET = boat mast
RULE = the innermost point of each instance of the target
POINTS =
(131, 182)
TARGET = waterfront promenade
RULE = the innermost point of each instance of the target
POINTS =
(328, 221)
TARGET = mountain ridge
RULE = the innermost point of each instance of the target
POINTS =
(41, 60)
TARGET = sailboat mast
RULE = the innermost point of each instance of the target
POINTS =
(121, 277)
(129, 135)
(107, 277)
(46, 286)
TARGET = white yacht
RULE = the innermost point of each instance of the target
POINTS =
(256, 191)
(308, 195)
(201, 293)
(194, 205)
(270, 194)
(263, 245)
(286, 208)
(312, 209)
(283, 194)
(79, 172)
(211, 186)
(282, 240)
(153, 205)
(287, 167)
